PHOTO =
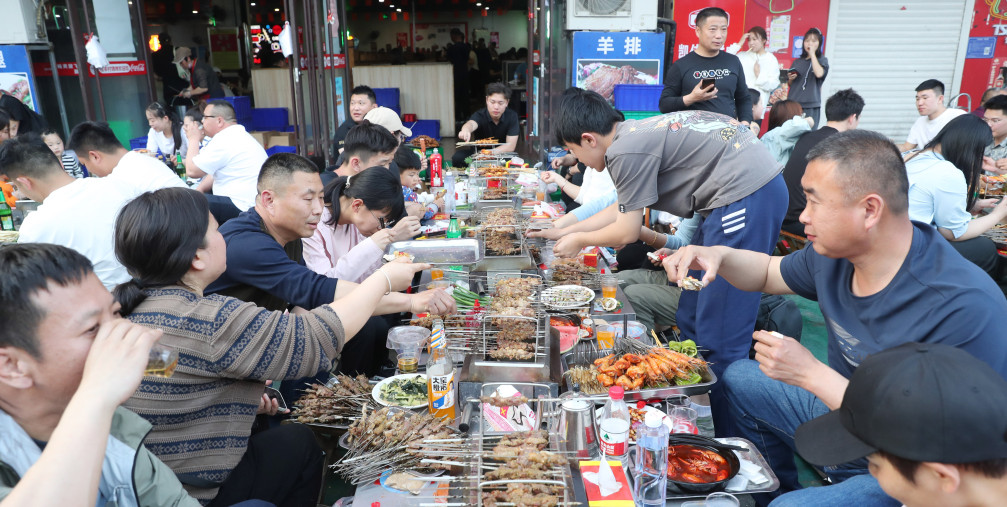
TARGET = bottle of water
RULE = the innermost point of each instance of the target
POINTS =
(614, 425)
(651, 462)
(449, 197)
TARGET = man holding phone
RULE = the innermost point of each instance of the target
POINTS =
(708, 78)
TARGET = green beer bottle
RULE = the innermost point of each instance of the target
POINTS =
(6, 215)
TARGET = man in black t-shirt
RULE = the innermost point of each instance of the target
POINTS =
(362, 100)
(683, 84)
(203, 82)
(495, 120)
(842, 113)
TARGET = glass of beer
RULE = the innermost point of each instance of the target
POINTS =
(162, 361)
(609, 283)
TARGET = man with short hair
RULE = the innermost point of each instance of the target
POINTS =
(931, 420)
(265, 262)
(367, 145)
(880, 279)
(67, 360)
(496, 120)
(362, 100)
(842, 113)
(684, 163)
(683, 84)
(75, 213)
(995, 115)
(934, 115)
(203, 81)
(99, 150)
(232, 159)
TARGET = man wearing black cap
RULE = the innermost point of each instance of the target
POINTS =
(880, 280)
(931, 420)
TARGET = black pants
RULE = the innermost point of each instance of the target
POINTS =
(980, 251)
(458, 159)
(282, 466)
(222, 208)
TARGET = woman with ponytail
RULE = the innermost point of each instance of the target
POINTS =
(202, 415)
(361, 218)
(165, 132)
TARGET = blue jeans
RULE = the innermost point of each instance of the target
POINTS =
(767, 412)
(721, 317)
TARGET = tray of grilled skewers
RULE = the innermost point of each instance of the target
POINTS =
(998, 234)
(567, 271)
(488, 142)
(336, 404)
(391, 438)
(644, 371)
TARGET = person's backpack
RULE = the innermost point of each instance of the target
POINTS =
(777, 313)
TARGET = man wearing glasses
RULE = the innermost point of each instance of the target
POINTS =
(232, 160)
(995, 155)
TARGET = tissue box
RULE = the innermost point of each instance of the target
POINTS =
(621, 498)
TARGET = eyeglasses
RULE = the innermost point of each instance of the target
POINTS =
(381, 221)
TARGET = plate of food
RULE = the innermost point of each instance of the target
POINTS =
(562, 297)
(406, 391)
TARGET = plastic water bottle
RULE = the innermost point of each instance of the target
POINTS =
(449, 197)
(614, 425)
(651, 462)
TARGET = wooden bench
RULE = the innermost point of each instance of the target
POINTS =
(789, 243)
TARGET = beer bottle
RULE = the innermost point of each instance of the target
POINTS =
(6, 215)
(179, 166)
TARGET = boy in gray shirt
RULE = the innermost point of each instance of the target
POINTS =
(684, 162)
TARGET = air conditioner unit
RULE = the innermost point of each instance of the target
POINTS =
(611, 15)
(21, 26)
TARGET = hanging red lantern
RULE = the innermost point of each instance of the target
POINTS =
(395, 16)
(405, 16)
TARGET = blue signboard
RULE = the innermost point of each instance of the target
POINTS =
(600, 60)
(980, 47)
(16, 76)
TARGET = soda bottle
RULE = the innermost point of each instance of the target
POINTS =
(651, 462)
(615, 424)
(440, 380)
(179, 166)
(436, 170)
(454, 231)
(6, 215)
(437, 335)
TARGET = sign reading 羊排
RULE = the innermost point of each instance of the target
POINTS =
(604, 59)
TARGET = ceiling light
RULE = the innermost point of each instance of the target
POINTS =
(195, 12)
(252, 4)
(398, 10)
(276, 9)
(479, 4)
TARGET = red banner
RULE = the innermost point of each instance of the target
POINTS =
(125, 68)
(988, 54)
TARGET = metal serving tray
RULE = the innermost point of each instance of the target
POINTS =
(461, 251)
(709, 378)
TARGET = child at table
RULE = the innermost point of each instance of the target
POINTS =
(409, 176)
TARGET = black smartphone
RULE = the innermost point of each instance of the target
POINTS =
(706, 83)
(273, 394)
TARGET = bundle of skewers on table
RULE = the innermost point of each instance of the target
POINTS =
(502, 231)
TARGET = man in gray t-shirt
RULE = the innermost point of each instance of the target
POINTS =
(684, 162)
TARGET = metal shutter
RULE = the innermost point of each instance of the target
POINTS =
(884, 49)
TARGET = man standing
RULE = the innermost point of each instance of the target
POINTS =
(66, 363)
(104, 156)
(203, 82)
(842, 113)
(496, 120)
(457, 53)
(934, 115)
(232, 158)
(683, 163)
(709, 79)
(880, 279)
(362, 100)
(931, 439)
(75, 213)
(162, 65)
(265, 262)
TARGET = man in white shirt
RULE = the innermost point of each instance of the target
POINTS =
(103, 155)
(232, 158)
(76, 213)
(934, 115)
